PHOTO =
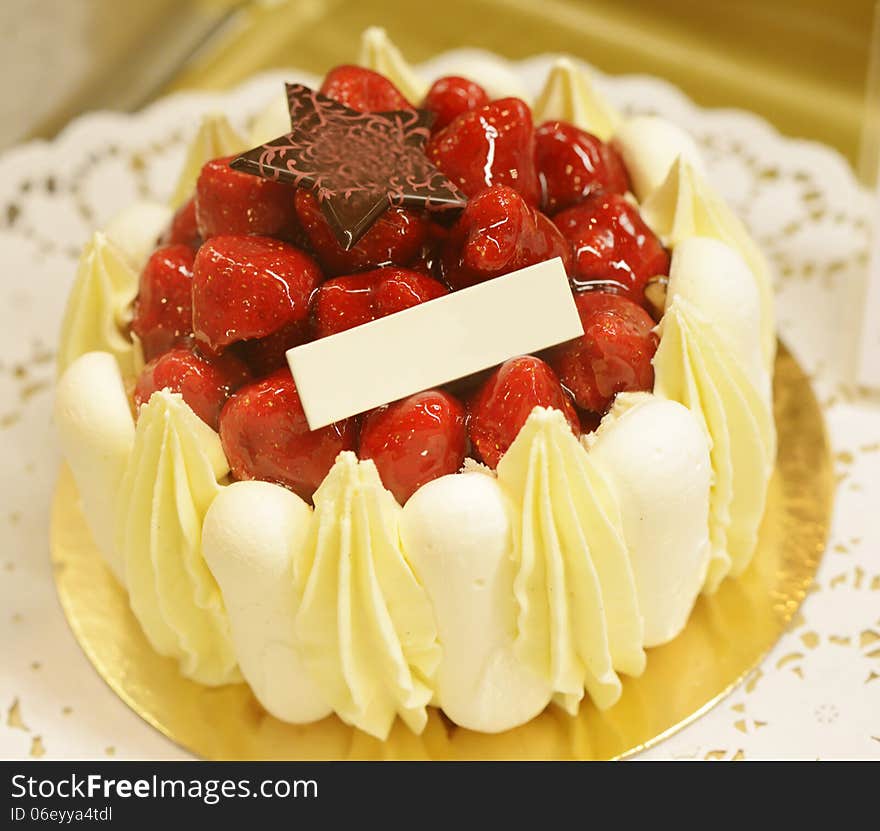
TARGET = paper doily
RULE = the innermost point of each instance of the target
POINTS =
(817, 695)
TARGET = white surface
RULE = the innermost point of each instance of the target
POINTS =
(817, 695)
(445, 339)
(869, 350)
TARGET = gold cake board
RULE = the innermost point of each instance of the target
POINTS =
(726, 637)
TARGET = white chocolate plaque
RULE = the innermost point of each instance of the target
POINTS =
(434, 343)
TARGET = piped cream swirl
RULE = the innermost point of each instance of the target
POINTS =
(99, 307)
(215, 138)
(578, 620)
(173, 476)
(701, 364)
(569, 95)
(381, 55)
(364, 624)
(685, 206)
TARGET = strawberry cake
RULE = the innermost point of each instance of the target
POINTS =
(512, 540)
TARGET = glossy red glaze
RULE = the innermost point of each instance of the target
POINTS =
(572, 164)
(611, 244)
(504, 402)
(613, 355)
(344, 302)
(163, 309)
(491, 145)
(248, 287)
(498, 233)
(228, 201)
(363, 90)
(396, 238)
(415, 440)
(451, 96)
(266, 355)
(204, 383)
(183, 229)
(266, 436)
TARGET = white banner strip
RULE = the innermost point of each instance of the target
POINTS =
(434, 343)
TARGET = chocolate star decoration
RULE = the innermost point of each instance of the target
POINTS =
(357, 164)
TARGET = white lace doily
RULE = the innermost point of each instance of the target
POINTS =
(817, 695)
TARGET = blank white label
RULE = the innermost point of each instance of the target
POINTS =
(434, 343)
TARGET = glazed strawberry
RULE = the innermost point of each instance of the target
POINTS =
(249, 287)
(572, 164)
(231, 202)
(415, 440)
(204, 383)
(350, 301)
(613, 355)
(612, 245)
(451, 96)
(501, 406)
(491, 145)
(163, 309)
(397, 238)
(183, 229)
(498, 233)
(269, 354)
(266, 436)
(363, 90)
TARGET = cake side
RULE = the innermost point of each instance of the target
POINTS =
(531, 586)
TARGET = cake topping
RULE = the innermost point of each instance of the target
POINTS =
(612, 244)
(345, 302)
(357, 163)
(204, 383)
(265, 436)
(434, 343)
(497, 233)
(415, 440)
(501, 406)
(163, 309)
(613, 355)
(490, 145)
(248, 287)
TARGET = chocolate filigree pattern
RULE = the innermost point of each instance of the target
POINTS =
(358, 164)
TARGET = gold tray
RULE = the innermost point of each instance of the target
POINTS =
(726, 636)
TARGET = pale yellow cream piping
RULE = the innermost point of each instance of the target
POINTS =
(364, 625)
(173, 476)
(578, 618)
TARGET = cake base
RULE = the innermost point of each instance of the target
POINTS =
(726, 636)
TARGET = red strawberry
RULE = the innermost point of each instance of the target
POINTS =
(491, 145)
(249, 287)
(231, 202)
(573, 164)
(266, 436)
(498, 233)
(613, 355)
(204, 383)
(267, 355)
(395, 238)
(363, 90)
(350, 301)
(451, 96)
(612, 245)
(183, 229)
(504, 402)
(415, 440)
(163, 309)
